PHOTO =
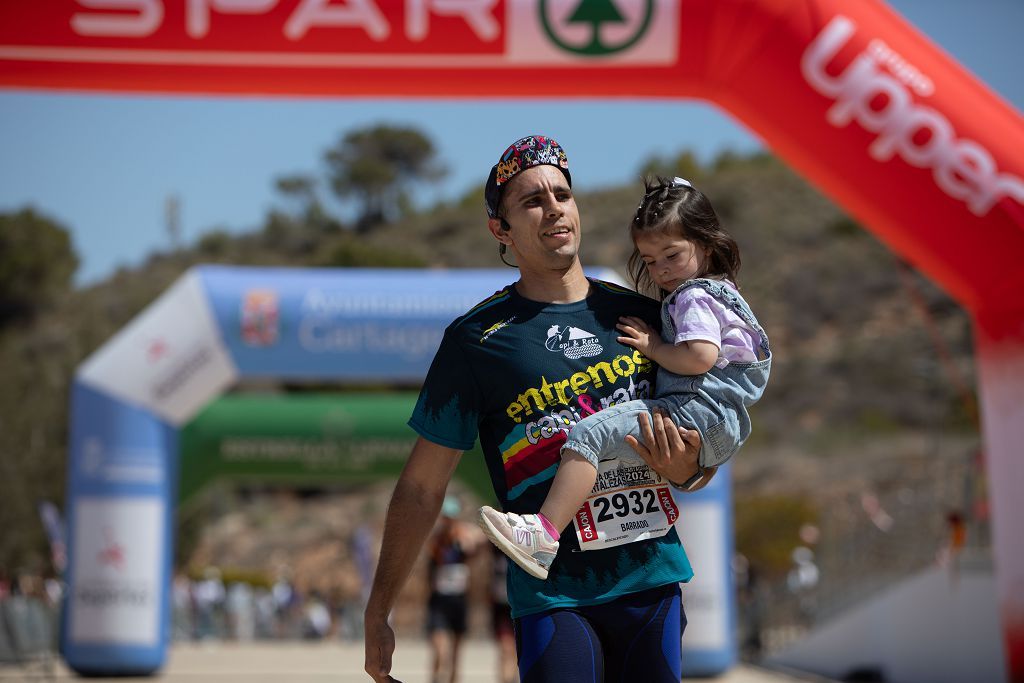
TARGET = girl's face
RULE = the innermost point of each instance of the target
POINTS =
(670, 259)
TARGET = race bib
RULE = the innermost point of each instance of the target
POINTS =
(630, 502)
(451, 579)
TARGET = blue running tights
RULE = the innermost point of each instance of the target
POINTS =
(636, 637)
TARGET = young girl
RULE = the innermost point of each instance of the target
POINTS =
(713, 360)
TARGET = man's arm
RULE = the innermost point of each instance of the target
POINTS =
(670, 451)
(412, 512)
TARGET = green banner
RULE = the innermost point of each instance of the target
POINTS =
(307, 439)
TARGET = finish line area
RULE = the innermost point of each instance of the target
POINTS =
(297, 662)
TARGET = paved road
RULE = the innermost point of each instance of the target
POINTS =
(291, 662)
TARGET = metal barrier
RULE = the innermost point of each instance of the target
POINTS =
(860, 555)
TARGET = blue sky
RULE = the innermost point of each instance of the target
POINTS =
(103, 166)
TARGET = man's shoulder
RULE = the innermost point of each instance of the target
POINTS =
(629, 300)
(483, 311)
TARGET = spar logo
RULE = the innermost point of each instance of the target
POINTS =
(592, 33)
(882, 103)
(376, 18)
(595, 27)
(573, 342)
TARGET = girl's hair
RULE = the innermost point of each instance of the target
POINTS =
(674, 207)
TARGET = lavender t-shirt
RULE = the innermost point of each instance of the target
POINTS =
(698, 316)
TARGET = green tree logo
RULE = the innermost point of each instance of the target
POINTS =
(596, 13)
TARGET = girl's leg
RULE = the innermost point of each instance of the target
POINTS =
(572, 484)
(531, 541)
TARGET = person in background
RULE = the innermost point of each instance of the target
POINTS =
(240, 606)
(501, 619)
(316, 618)
(182, 626)
(208, 594)
(949, 554)
(449, 551)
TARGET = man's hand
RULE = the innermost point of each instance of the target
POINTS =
(669, 450)
(380, 647)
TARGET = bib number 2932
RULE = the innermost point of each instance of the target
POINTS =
(629, 503)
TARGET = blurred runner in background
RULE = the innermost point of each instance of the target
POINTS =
(501, 619)
(450, 548)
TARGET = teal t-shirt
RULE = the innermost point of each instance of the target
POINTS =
(519, 374)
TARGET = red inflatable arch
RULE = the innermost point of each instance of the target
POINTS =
(847, 93)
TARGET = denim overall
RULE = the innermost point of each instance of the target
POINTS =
(715, 403)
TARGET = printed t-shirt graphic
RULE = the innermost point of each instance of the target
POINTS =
(519, 374)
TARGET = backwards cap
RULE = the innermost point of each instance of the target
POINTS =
(524, 153)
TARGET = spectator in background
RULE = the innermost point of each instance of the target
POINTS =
(208, 595)
(286, 601)
(241, 611)
(957, 533)
(182, 626)
(751, 606)
(802, 581)
(266, 614)
(316, 620)
(363, 548)
(54, 589)
(956, 527)
(363, 552)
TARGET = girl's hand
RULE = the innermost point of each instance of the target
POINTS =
(639, 335)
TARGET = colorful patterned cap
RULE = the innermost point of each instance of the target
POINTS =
(524, 153)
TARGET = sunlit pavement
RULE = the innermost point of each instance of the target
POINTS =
(292, 662)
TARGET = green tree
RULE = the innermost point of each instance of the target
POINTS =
(350, 252)
(306, 209)
(301, 189)
(684, 164)
(37, 263)
(729, 159)
(379, 166)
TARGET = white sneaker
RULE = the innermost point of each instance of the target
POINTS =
(521, 537)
